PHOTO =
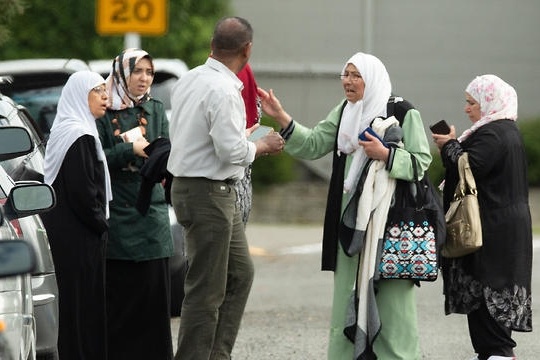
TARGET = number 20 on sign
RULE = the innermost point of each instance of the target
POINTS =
(146, 17)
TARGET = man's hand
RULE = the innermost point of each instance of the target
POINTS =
(272, 143)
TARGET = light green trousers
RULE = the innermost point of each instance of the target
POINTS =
(396, 301)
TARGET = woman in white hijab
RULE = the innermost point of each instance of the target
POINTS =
(390, 303)
(493, 285)
(76, 167)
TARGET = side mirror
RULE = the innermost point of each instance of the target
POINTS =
(29, 198)
(14, 142)
(16, 257)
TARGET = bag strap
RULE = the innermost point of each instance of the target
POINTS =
(420, 197)
(398, 107)
(467, 184)
(415, 168)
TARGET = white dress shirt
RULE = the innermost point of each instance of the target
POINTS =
(207, 125)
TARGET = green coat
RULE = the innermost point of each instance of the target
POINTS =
(133, 236)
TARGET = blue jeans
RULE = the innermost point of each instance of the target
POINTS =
(220, 270)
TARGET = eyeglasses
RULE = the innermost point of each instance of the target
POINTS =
(100, 90)
(353, 76)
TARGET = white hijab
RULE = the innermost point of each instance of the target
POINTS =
(497, 99)
(73, 120)
(357, 116)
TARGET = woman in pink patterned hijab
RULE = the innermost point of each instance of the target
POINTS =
(492, 286)
(495, 100)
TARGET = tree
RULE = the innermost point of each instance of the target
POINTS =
(67, 29)
(10, 9)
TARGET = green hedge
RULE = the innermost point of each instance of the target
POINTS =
(273, 169)
(531, 136)
(436, 169)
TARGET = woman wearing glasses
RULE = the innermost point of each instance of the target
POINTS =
(76, 167)
(140, 243)
(370, 316)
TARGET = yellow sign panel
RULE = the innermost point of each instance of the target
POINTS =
(146, 17)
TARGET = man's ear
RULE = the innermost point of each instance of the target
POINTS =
(247, 50)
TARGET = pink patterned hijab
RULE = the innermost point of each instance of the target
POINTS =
(497, 99)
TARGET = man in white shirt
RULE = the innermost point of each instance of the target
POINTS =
(209, 151)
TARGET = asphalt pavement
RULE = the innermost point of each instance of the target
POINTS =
(288, 311)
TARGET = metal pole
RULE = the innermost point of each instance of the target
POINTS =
(368, 26)
(132, 40)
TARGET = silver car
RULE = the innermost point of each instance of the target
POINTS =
(16, 258)
(18, 202)
(44, 288)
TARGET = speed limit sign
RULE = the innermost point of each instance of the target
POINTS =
(146, 17)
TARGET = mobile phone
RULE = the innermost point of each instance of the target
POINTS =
(362, 136)
(260, 132)
(440, 127)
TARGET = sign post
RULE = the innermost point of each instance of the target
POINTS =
(145, 17)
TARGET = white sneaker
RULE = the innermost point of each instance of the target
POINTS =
(497, 357)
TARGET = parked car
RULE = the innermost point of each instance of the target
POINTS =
(16, 258)
(17, 202)
(44, 287)
(37, 84)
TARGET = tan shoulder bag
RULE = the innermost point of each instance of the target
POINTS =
(463, 225)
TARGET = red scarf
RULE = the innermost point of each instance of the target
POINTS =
(249, 93)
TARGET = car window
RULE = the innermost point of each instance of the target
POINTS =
(41, 104)
(30, 166)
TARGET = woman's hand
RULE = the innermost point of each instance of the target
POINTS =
(374, 148)
(139, 145)
(441, 139)
(272, 107)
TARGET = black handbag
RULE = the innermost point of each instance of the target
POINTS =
(415, 230)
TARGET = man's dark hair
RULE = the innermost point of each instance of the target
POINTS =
(231, 34)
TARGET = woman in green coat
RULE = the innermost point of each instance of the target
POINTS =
(138, 279)
(388, 330)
